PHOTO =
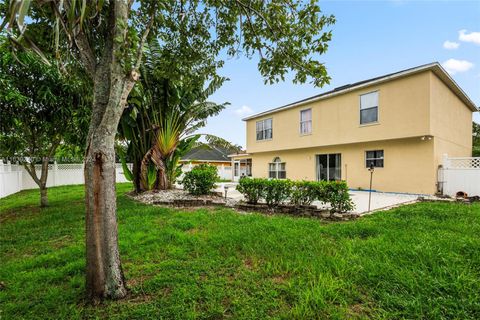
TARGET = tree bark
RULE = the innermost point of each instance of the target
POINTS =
(42, 181)
(43, 196)
(104, 274)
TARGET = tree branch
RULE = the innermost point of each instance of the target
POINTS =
(30, 167)
(86, 54)
(139, 54)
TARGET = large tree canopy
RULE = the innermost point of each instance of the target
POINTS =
(108, 37)
(40, 109)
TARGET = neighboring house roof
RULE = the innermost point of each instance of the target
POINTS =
(207, 153)
(435, 67)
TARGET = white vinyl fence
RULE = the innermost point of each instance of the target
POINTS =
(14, 177)
(460, 174)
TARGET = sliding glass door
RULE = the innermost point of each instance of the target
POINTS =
(329, 166)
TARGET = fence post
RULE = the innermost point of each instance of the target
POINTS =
(446, 161)
(2, 168)
(9, 166)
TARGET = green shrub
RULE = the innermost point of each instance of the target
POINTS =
(277, 191)
(305, 192)
(336, 193)
(253, 189)
(200, 180)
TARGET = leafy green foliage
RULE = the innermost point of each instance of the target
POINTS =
(476, 140)
(305, 192)
(201, 179)
(163, 114)
(278, 191)
(173, 165)
(336, 194)
(40, 107)
(288, 36)
(253, 189)
(407, 263)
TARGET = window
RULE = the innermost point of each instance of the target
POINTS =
(375, 157)
(369, 107)
(276, 169)
(306, 121)
(264, 129)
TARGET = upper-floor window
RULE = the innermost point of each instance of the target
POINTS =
(264, 129)
(374, 157)
(306, 121)
(369, 107)
(276, 169)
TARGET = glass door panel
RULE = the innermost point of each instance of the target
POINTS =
(329, 167)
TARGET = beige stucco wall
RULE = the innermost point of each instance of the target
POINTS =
(409, 108)
(408, 164)
(450, 123)
(403, 112)
(451, 120)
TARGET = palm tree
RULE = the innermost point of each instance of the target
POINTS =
(175, 125)
(163, 114)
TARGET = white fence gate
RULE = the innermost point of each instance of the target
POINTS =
(14, 178)
(460, 174)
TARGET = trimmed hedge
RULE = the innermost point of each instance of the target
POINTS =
(253, 189)
(200, 180)
(299, 193)
(277, 191)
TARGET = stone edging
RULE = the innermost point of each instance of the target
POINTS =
(298, 211)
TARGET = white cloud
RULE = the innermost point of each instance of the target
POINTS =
(469, 37)
(451, 45)
(243, 111)
(453, 65)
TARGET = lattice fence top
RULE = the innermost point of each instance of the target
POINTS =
(464, 163)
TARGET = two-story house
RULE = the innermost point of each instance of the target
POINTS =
(402, 123)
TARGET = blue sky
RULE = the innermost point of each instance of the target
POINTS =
(370, 38)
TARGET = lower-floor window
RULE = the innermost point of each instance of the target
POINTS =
(374, 157)
(276, 169)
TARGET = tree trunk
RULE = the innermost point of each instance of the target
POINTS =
(104, 279)
(42, 181)
(43, 196)
(162, 180)
(104, 274)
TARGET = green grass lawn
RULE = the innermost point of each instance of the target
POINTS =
(417, 261)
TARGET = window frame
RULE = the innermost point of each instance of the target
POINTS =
(360, 108)
(367, 159)
(305, 121)
(263, 130)
(277, 170)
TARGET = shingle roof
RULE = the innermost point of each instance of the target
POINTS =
(207, 153)
(435, 67)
